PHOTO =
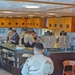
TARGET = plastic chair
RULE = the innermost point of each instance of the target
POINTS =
(68, 63)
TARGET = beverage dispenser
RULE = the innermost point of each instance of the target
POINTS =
(63, 40)
(48, 40)
(60, 40)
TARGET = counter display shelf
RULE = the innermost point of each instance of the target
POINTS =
(14, 58)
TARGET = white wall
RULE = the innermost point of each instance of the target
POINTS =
(6, 31)
(72, 38)
(19, 30)
(38, 31)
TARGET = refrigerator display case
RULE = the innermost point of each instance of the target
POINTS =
(12, 59)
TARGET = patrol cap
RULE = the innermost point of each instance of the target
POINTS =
(39, 46)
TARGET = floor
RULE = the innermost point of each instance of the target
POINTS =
(3, 72)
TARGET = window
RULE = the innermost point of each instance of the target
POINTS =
(16, 23)
(27, 23)
(2, 23)
(30, 23)
(55, 25)
(60, 25)
(33, 23)
(23, 23)
(50, 25)
(37, 24)
(9, 23)
(67, 26)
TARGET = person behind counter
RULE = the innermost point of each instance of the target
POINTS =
(21, 41)
(28, 39)
(38, 64)
(10, 34)
(15, 38)
(36, 38)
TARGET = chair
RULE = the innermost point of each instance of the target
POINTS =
(73, 68)
(68, 63)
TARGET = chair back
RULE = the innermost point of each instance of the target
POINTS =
(68, 62)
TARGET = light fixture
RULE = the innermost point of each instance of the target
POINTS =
(49, 16)
(51, 13)
(18, 16)
(58, 16)
(31, 6)
(10, 16)
(7, 12)
(22, 17)
(5, 17)
(42, 16)
(30, 15)
(37, 13)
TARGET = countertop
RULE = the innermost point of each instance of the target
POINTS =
(12, 47)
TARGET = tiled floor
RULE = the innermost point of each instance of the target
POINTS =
(3, 72)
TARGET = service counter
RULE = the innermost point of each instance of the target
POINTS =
(57, 55)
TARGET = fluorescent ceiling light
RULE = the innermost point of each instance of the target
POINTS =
(31, 6)
(22, 17)
(51, 13)
(6, 12)
(10, 16)
(30, 15)
(18, 16)
(5, 16)
(36, 13)
(42, 16)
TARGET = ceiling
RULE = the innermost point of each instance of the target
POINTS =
(46, 8)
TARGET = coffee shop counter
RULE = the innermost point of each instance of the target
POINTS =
(20, 55)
